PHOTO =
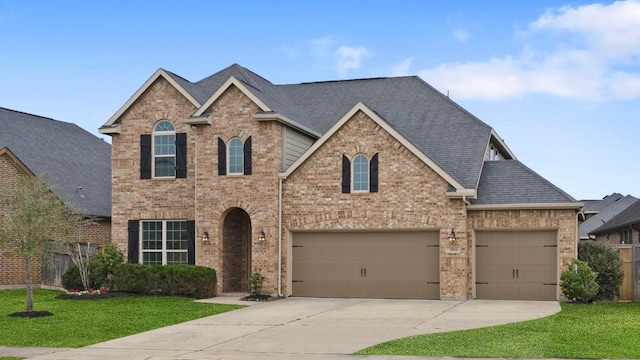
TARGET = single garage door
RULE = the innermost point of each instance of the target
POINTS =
(392, 265)
(516, 265)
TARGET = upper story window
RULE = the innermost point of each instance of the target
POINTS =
(234, 157)
(360, 173)
(364, 173)
(164, 149)
(163, 154)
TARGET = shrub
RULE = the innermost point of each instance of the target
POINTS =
(173, 280)
(71, 278)
(256, 281)
(578, 282)
(604, 260)
(103, 264)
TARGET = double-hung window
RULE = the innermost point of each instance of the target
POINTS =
(164, 242)
(164, 149)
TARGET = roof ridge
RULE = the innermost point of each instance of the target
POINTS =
(38, 116)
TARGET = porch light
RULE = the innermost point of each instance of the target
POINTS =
(261, 236)
(205, 236)
(452, 237)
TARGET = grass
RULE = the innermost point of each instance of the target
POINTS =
(77, 323)
(605, 330)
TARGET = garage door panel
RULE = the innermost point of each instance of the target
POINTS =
(516, 265)
(374, 264)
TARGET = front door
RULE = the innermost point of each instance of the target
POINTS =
(236, 251)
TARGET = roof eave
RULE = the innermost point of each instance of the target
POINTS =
(270, 116)
(529, 206)
(110, 129)
(198, 120)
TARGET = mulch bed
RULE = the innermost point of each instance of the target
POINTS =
(258, 298)
(31, 314)
(107, 295)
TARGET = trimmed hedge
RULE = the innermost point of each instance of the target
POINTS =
(172, 280)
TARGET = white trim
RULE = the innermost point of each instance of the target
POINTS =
(164, 249)
(494, 136)
(383, 124)
(231, 81)
(159, 73)
(110, 129)
(528, 206)
(197, 120)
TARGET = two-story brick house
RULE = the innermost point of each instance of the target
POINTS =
(362, 188)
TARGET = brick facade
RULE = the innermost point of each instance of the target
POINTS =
(233, 209)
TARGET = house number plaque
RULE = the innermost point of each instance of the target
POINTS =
(453, 249)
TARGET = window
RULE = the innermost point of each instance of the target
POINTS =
(164, 149)
(625, 237)
(236, 156)
(164, 242)
(360, 173)
(364, 171)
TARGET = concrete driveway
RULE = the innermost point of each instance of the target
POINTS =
(307, 327)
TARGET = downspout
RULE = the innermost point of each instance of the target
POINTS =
(279, 237)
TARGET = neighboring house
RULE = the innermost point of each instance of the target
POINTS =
(621, 229)
(377, 187)
(598, 212)
(78, 166)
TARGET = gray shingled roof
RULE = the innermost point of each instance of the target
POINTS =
(599, 205)
(511, 182)
(444, 131)
(70, 155)
(627, 217)
(613, 208)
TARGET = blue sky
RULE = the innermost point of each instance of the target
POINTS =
(558, 80)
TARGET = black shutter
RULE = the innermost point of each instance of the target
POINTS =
(191, 242)
(133, 249)
(373, 174)
(181, 155)
(222, 157)
(346, 174)
(145, 156)
(247, 156)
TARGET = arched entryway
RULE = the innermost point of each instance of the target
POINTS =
(236, 251)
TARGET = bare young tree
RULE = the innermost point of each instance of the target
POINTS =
(30, 216)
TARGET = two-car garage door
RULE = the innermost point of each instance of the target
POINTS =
(401, 265)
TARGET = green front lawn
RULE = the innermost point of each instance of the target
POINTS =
(606, 330)
(77, 323)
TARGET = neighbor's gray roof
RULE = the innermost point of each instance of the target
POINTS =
(70, 155)
(604, 215)
(592, 206)
(449, 135)
(511, 182)
(627, 217)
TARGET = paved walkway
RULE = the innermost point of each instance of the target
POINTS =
(316, 329)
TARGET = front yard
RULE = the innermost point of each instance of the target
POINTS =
(77, 323)
(605, 330)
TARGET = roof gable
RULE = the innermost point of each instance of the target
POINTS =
(15, 161)
(78, 163)
(383, 124)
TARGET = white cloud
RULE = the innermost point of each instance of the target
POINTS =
(593, 53)
(350, 58)
(321, 48)
(461, 35)
(401, 69)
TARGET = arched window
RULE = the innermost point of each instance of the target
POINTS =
(236, 156)
(360, 173)
(164, 149)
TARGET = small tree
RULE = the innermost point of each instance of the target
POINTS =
(104, 263)
(578, 282)
(30, 216)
